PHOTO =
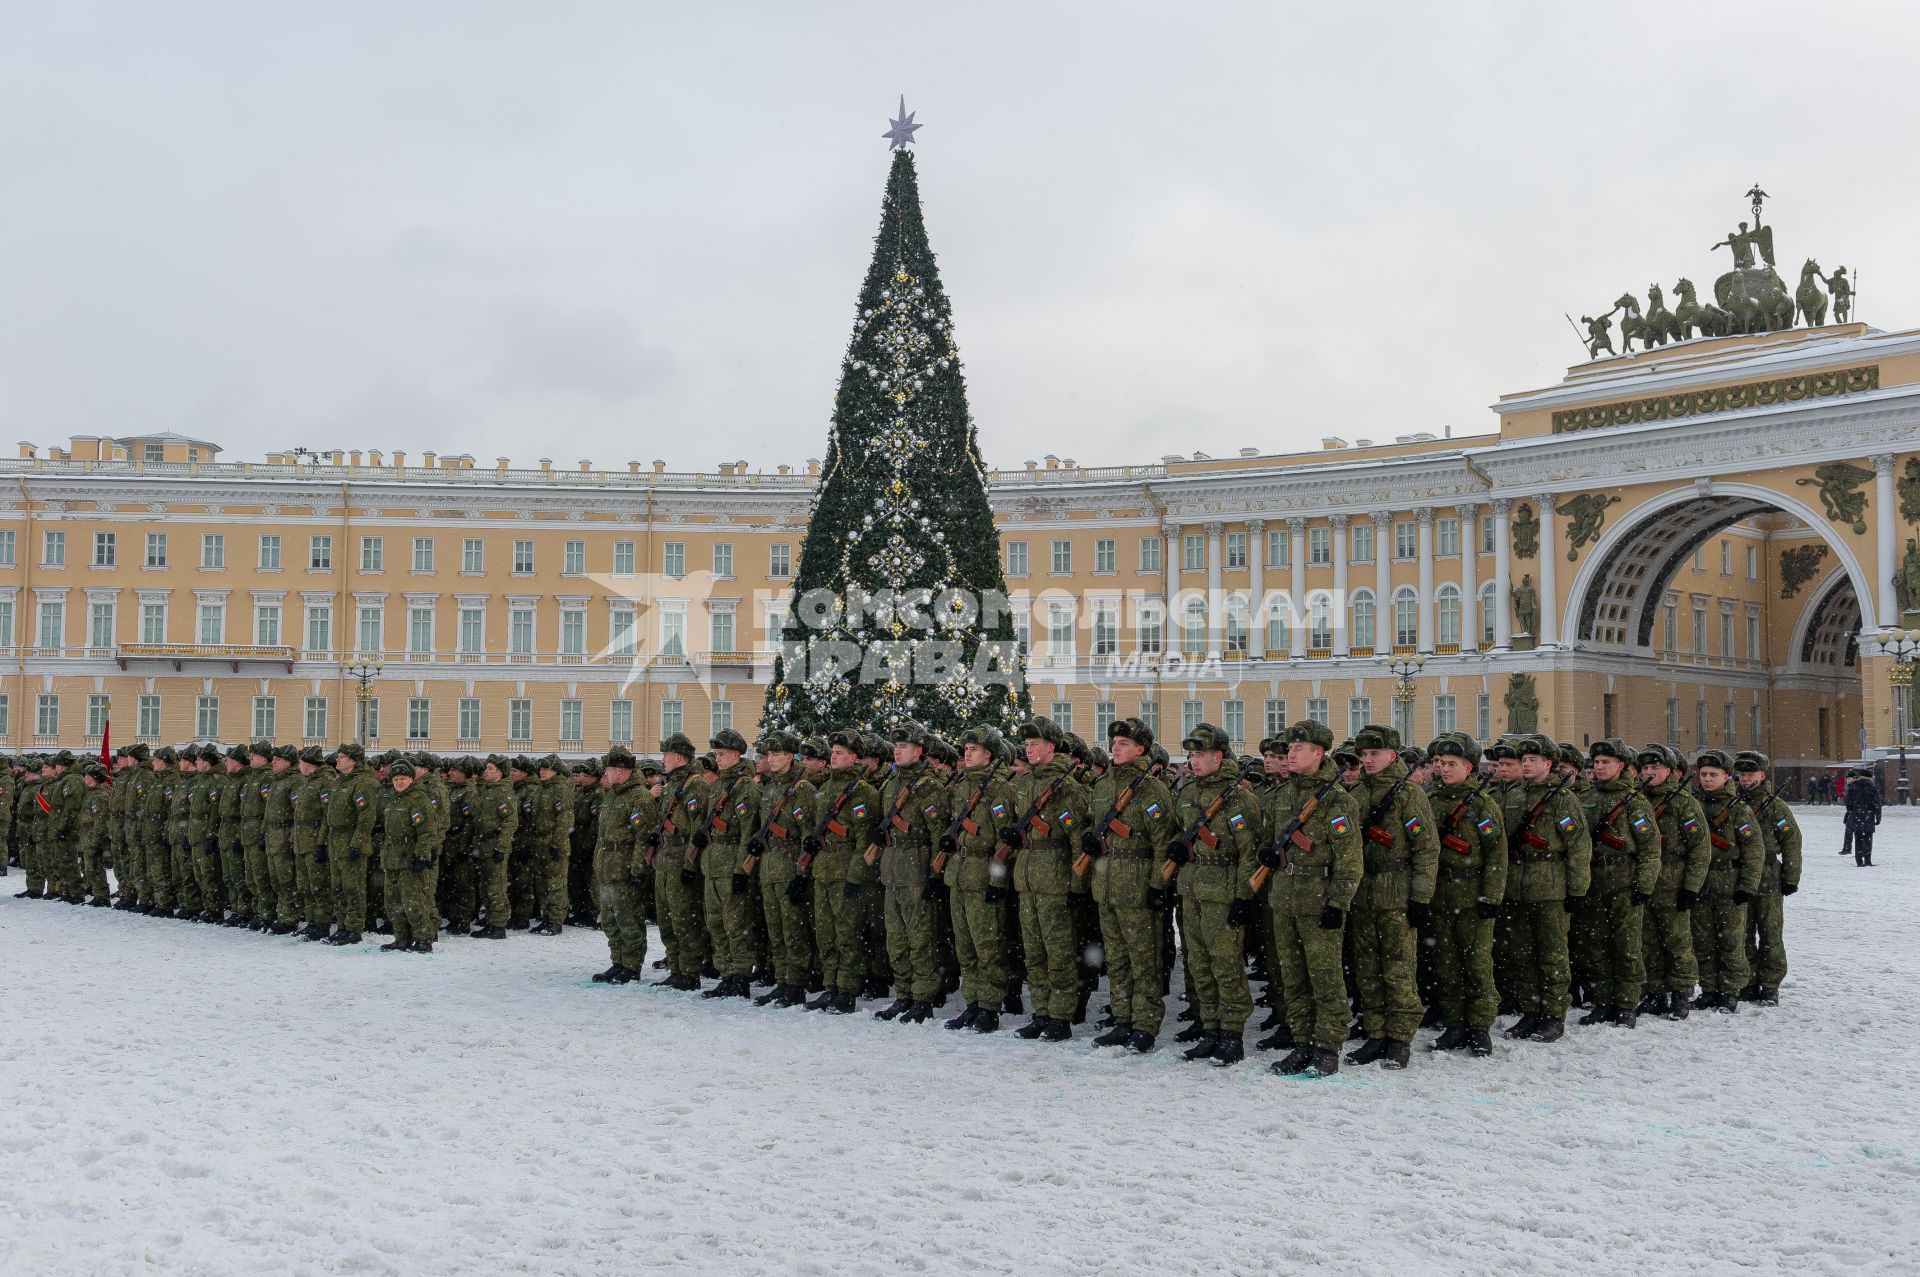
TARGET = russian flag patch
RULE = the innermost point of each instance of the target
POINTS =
(1566, 824)
(1486, 825)
(1690, 824)
(1640, 824)
(999, 809)
(1337, 826)
(859, 810)
(1414, 825)
(1153, 809)
(1236, 820)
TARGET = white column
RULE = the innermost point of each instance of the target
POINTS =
(1883, 542)
(1297, 587)
(1216, 607)
(1170, 627)
(1502, 608)
(1469, 582)
(1256, 590)
(1549, 590)
(1425, 603)
(1341, 611)
(1382, 580)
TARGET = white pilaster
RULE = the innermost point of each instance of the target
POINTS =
(1256, 590)
(1502, 582)
(1884, 531)
(1425, 602)
(1340, 609)
(1216, 602)
(1469, 577)
(1297, 587)
(1549, 588)
(1382, 580)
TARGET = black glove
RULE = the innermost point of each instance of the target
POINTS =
(1156, 899)
(1237, 914)
(1180, 851)
(812, 845)
(1788, 888)
(851, 891)
(1269, 855)
(994, 895)
(1332, 919)
(1419, 914)
(1090, 843)
(740, 882)
(688, 875)
(1742, 897)
(797, 891)
(420, 864)
(1684, 900)
(320, 854)
(653, 840)
(353, 853)
(498, 856)
(1640, 897)
(1014, 838)
(700, 840)
(1571, 903)
(1488, 909)
(949, 844)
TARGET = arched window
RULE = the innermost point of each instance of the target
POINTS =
(1447, 615)
(1319, 621)
(1360, 629)
(1406, 617)
(1236, 623)
(1489, 596)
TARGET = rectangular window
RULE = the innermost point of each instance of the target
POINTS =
(6, 549)
(1753, 636)
(622, 639)
(1446, 716)
(270, 552)
(1359, 713)
(316, 718)
(1279, 549)
(373, 554)
(154, 453)
(1753, 727)
(722, 714)
(1016, 558)
(320, 553)
(1699, 558)
(46, 716)
(572, 726)
(1726, 723)
(423, 554)
(1062, 557)
(1483, 716)
(1700, 724)
(1753, 563)
(520, 631)
(156, 549)
(674, 558)
(1726, 558)
(206, 717)
(1279, 632)
(1106, 627)
(1063, 715)
(620, 722)
(1233, 720)
(1487, 543)
(1104, 714)
(573, 558)
(473, 629)
(153, 622)
(213, 550)
(1673, 721)
(370, 719)
(1447, 536)
(1150, 715)
(1193, 550)
(1319, 546)
(53, 624)
(264, 713)
(96, 715)
(1194, 635)
(720, 624)
(1276, 718)
(1317, 711)
(100, 625)
(1106, 556)
(1152, 632)
(1150, 554)
(1237, 551)
(1699, 630)
(319, 628)
(523, 558)
(573, 632)
(1236, 626)
(1060, 629)
(1192, 714)
(473, 556)
(673, 632)
(519, 720)
(1319, 623)
(1023, 627)
(419, 714)
(146, 716)
(6, 623)
(266, 624)
(780, 561)
(210, 623)
(1360, 536)
(371, 639)
(53, 550)
(1726, 635)
(420, 630)
(103, 549)
(1669, 628)
(625, 555)
(673, 718)
(1406, 541)
(722, 560)
(469, 718)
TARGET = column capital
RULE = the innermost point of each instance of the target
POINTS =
(1466, 511)
(1297, 524)
(1339, 522)
(1171, 529)
(1256, 526)
(1425, 516)
(1501, 505)
(1382, 519)
(1545, 501)
(1214, 527)
(1883, 463)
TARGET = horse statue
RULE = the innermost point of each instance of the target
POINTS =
(1661, 326)
(1755, 299)
(1631, 325)
(1812, 301)
(1689, 314)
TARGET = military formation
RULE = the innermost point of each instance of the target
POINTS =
(1370, 889)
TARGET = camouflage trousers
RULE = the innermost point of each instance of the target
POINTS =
(1383, 968)
(789, 935)
(1766, 939)
(490, 887)
(910, 943)
(1666, 949)
(280, 872)
(130, 864)
(1046, 934)
(349, 874)
(583, 884)
(1606, 934)
(1462, 963)
(1538, 934)
(1720, 944)
(259, 876)
(683, 926)
(156, 860)
(979, 941)
(548, 871)
(233, 875)
(1131, 938)
(620, 918)
(729, 915)
(871, 912)
(1313, 976)
(459, 889)
(1217, 959)
(186, 883)
(93, 871)
(206, 872)
(411, 904)
(836, 924)
(311, 882)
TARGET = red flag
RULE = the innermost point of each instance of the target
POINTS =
(106, 734)
(45, 806)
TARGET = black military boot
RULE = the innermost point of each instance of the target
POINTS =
(762, 977)
(1106, 1020)
(513, 924)
(313, 932)
(1032, 1028)
(1479, 1043)
(606, 977)
(241, 920)
(988, 1021)
(1450, 1040)
(286, 929)
(1767, 997)
(722, 990)
(1080, 1008)
(1706, 1001)
(548, 929)
(1601, 1014)
(1677, 1006)
(1276, 1020)
(1228, 1048)
(1203, 1049)
(966, 1017)
(1431, 1020)
(1551, 1028)
(393, 946)
(1726, 1004)
(685, 982)
(661, 964)
(1652, 1004)
(893, 1009)
(843, 1004)
(1526, 1025)
(489, 933)
(768, 998)
(917, 1013)
(1626, 1017)
(1192, 1033)
(1367, 1052)
(875, 987)
(1397, 1055)
(1115, 1036)
(253, 924)
(1189, 1014)
(342, 939)
(1056, 1031)
(822, 1002)
(100, 902)
(1139, 1041)
(420, 946)
(1281, 1039)
(1357, 1031)
(1325, 1064)
(1298, 1060)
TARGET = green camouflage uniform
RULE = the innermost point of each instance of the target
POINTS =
(625, 813)
(280, 788)
(349, 800)
(92, 822)
(152, 815)
(229, 788)
(984, 804)
(678, 897)
(1402, 852)
(180, 849)
(1210, 883)
(846, 800)
(202, 831)
(583, 882)
(129, 852)
(1042, 877)
(68, 798)
(1720, 919)
(913, 795)
(1311, 881)
(1666, 937)
(729, 817)
(411, 905)
(459, 900)
(1472, 872)
(1625, 869)
(1779, 877)
(253, 841)
(781, 813)
(552, 840)
(312, 884)
(494, 813)
(1134, 838)
(1550, 861)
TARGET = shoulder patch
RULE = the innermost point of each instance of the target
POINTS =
(1746, 830)
(1237, 821)
(1415, 825)
(1337, 825)
(859, 810)
(1566, 824)
(998, 809)
(1690, 824)
(1640, 825)
(1485, 825)
(1153, 809)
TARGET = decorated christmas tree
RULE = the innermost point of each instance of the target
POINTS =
(899, 606)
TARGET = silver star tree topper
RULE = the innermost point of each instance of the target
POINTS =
(903, 128)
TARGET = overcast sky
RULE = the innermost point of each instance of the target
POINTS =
(623, 231)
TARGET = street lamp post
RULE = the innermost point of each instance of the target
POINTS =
(1404, 669)
(363, 671)
(1902, 646)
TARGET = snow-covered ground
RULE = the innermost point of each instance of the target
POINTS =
(188, 1099)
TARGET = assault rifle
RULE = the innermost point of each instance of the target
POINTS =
(1198, 829)
(1109, 822)
(1523, 831)
(1293, 835)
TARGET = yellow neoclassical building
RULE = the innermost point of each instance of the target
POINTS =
(1709, 543)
